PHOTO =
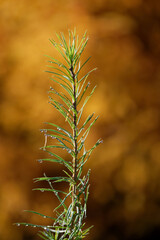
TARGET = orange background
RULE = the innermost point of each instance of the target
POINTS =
(124, 201)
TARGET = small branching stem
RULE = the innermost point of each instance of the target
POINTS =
(75, 142)
(69, 222)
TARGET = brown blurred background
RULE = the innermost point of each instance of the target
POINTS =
(124, 201)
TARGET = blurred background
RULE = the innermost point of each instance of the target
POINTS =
(124, 201)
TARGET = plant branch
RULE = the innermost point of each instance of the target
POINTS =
(75, 157)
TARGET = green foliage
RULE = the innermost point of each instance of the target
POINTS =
(69, 223)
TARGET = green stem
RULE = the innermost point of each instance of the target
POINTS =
(75, 157)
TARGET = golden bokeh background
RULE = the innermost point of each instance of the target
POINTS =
(124, 43)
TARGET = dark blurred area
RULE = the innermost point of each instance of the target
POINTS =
(124, 201)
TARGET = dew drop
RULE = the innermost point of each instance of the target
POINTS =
(18, 224)
(40, 161)
(34, 226)
(45, 228)
(58, 128)
(26, 225)
(77, 209)
(42, 190)
(44, 216)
